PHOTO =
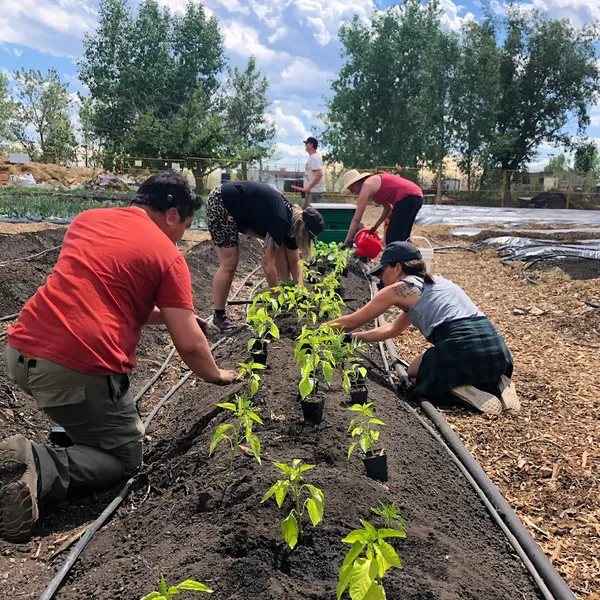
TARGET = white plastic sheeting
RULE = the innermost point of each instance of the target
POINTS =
(527, 249)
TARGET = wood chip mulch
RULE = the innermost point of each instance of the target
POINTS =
(546, 460)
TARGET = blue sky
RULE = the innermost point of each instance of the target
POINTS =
(295, 43)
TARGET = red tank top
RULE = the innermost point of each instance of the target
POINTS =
(394, 188)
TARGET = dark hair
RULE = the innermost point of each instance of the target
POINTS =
(418, 268)
(168, 189)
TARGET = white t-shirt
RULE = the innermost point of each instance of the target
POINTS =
(313, 164)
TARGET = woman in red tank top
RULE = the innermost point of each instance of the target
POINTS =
(400, 198)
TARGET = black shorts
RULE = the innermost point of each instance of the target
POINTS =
(402, 219)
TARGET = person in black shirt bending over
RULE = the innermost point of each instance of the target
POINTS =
(258, 210)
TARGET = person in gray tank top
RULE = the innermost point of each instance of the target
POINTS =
(469, 358)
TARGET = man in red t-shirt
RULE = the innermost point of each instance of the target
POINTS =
(73, 346)
(401, 200)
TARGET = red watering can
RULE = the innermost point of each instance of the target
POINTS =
(367, 244)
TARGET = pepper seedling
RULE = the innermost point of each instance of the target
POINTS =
(311, 352)
(246, 416)
(248, 371)
(361, 426)
(391, 517)
(367, 562)
(167, 593)
(352, 376)
(291, 527)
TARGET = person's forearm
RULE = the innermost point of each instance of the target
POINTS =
(156, 317)
(296, 272)
(270, 271)
(201, 361)
(314, 182)
(379, 334)
(353, 228)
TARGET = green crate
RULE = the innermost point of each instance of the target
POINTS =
(337, 219)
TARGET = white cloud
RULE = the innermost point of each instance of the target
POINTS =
(17, 51)
(243, 41)
(278, 35)
(289, 125)
(322, 36)
(578, 12)
(304, 75)
(290, 151)
(268, 13)
(235, 6)
(451, 16)
(49, 26)
(307, 113)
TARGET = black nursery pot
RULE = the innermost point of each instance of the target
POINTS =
(260, 358)
(358, 381)
(345, 272)
(341, 290)
(376, 466)
(258, 351)
(312, 410)
(359, 395)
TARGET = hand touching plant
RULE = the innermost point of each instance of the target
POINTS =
(167, 593)
(367, 562)
(361, 426)
(291, 527)
(246, 416)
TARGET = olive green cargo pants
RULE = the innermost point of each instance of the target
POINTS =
(98, 414)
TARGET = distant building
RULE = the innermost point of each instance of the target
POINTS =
(281, 178)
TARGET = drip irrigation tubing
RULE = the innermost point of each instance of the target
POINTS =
(62, 573)
(549, 582)
(26, 258)
(592, 304)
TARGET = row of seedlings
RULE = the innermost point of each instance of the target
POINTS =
(320, 350)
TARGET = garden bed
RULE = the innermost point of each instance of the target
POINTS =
(184, 521)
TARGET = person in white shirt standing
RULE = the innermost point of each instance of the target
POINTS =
(314, 182)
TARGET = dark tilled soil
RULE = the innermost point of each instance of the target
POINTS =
(182, 520)
(185, 521)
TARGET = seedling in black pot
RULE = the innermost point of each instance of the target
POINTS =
(375, 460)
(354, 383)
(264, 329)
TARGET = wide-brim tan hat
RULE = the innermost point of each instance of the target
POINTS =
(351, 177)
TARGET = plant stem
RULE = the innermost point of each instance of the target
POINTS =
(298, 513)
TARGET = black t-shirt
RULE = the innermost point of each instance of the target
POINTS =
(258, 207)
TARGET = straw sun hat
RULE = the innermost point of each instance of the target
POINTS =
(351, 177)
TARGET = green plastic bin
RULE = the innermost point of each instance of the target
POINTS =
(337, 219)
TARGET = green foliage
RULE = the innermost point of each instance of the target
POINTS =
(586, 158)
(558, 163)
(248, 371)
(367, 562)
(167, 593)
(251, 134)
(268, 301)
(262, 326)
(246, 416)
(391, 517)
(293, 482)
(361, 426)
(312, 351)
(8, 115)
(352, 375)
(44, 105)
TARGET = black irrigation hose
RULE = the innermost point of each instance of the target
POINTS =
(9, 317)
(26, 258)
(60, 576)
(465, 248)
(541, 258)
(550, 583)
(592, 304)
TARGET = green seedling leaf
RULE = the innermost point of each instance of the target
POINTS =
(227, 406)
(281, 492)
(353, 553)
(255, 417)
(358, 535)
(376, 422)
(361, 579)
(370, 529)
(375, 592)
(274, 331)
(219, 436)
(255, 447)
(154, 596)
(328, 372)
(306, 387)
(270, 492)
(289, 529)
(344, 577)
(194, 586)
(172, 591)
(388, 533)
(304, 468)
(254, 385)
(389, 554)
(351, 449)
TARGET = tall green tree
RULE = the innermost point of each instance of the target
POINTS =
(252, 135)
(147, 72)
(558, 163)
(375, 116)
(44, 104)
(8, 115)
(475, 98)
(549, 75)
(586, 158)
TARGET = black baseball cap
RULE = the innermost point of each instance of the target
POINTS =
(313, 220)
(311, 140)
(396, 252)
